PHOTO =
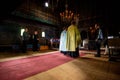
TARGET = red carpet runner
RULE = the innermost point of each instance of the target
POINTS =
(26, 67)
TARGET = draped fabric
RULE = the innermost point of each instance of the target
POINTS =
(73, 38)
(62, 46)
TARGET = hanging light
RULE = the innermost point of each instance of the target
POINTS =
(68, 15)
(46, 4)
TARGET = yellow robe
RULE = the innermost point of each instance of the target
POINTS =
(73, 38)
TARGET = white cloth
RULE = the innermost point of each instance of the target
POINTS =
(62, 46)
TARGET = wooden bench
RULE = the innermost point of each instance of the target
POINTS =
(113, 47)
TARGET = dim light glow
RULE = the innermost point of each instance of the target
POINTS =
(46, 4)
(43, 34)
(22, 30)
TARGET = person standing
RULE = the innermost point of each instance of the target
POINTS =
(35, 41)
(63, 36)
(73, 40)
(25, 39)
(99, 38)
(51, 43)
(91, 37)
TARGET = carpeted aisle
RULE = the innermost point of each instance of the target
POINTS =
(25, 67)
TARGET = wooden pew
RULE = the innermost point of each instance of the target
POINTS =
(114, 46)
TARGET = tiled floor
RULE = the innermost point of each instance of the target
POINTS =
(87, 67)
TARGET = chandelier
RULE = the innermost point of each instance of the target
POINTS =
(67, 16)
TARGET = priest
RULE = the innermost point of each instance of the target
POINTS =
(73, 40)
